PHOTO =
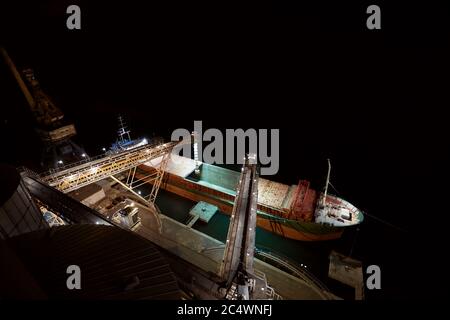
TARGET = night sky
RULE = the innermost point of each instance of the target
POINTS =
(375, 103)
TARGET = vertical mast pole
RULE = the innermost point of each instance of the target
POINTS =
(326, 184)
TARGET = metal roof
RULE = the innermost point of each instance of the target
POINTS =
(9, 181)
(114, 263)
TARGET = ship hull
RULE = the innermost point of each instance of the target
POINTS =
(269, 219)
(298, 230)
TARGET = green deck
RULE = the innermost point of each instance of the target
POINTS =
(218, 178)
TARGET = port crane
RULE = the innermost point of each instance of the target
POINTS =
(53, 130)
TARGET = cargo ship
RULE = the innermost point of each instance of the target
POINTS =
(296, 212)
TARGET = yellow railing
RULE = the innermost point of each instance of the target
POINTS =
(86, 173)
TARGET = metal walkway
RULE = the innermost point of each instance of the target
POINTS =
(240, 279)
(78, 175)
(240, 244)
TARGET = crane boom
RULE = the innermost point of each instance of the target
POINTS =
(18, 78)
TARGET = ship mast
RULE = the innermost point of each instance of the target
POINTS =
(122, 131)
(196, 158)
(327, 183)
